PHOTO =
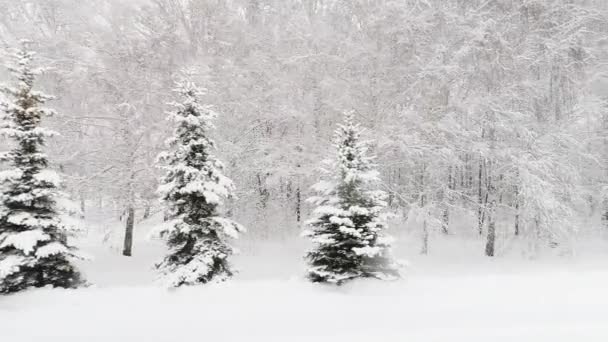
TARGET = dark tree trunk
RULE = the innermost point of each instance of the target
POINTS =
(425, 229)
(425, 239)
(447, 202)
(298, 204)
(263, 191)
(516, 210)
(490, 209)
(446, 220)
(480, 198)
(605, 216)
(128, 243)
(450, 181)
(491, 239)
(146, 211)
(516, 219)
(82, 205)
(604, 199)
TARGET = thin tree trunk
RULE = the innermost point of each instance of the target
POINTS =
(82, 205)
(446, 220)
(128, 243)
(469, 171)
(480, 198)
(536, 241)
(516, 210)
(262, 191)
(298, 204)
(491, 238)
(604, 198)
(516, 219)
(605, 215)
(147, 209)
(490, 211)
(462, 172)
(446, 202)
(425, 228)
(425, 238)
(450, 181)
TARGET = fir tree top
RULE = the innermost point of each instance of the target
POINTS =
(21, 121)
(353, 160)
(191, 168)
(357, 181)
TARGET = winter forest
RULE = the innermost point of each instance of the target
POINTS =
(422, 170)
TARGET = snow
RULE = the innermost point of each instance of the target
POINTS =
(48, 176)
(323, 186)
(188, 273)
(341, 220)
(229, 227)
(450, 295)
(10, 264)
(322, 239)
(212, 191)
(547, 307)
(27, 219)
(51, 249)
(11, 174)
(24, 241)
(350, 231)
(211, 197)
(368, 251)
(329, 210)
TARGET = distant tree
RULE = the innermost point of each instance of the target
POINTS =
(349, 219)
(193, 187)
(34, 251)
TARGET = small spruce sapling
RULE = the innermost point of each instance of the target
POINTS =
(349, 219)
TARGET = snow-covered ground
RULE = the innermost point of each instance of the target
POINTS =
(544, 307)
(448, 296)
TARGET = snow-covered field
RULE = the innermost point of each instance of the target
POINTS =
(543, 307)
(443, 297)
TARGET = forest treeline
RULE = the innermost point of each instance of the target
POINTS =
(490, 118)
(36, 222)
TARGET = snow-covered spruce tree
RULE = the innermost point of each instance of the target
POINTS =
(349, 219)
(34, 251)
(192, 188)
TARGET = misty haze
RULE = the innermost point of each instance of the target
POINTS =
(304, 170)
